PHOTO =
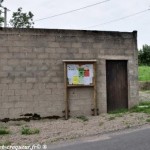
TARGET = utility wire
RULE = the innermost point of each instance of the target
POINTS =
(115, 20)
(72, 11)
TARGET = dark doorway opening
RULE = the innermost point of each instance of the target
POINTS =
(117, 84)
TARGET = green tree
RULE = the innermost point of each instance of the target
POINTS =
(22, 20)
(144, 55)
(1, 17)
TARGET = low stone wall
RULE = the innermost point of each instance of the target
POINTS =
(144, 85)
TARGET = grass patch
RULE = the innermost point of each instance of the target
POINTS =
(147, 120)
(143, 107)
(83, 118)
(144, 73)
(29, 131)
(6, 143)
(119, 111)
(148, 91)
(4, 130)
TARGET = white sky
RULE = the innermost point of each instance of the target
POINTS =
(98, 14)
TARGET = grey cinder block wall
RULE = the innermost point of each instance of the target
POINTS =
(32, 73)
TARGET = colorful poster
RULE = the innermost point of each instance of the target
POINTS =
(81, 80)
(80, 74)
(86, 73)
(75, 80)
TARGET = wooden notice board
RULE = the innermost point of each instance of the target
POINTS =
(79, 73)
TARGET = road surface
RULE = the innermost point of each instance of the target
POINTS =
(132, 139)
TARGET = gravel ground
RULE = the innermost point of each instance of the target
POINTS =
(53, 131)
(144, 95)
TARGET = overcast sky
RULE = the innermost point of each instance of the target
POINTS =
(98, 14)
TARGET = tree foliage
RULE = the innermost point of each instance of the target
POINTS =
(22, 20)
(144, 55)
(1, 17)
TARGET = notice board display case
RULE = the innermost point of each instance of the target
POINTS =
(79, 73)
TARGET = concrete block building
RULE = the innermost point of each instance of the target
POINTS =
(32, 72)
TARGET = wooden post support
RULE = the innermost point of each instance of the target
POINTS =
(66, 92)
(95, 101)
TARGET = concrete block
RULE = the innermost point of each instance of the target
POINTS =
(40, 86)
(20, 49)
(50, 50)
(51, 85)
(3, 74)
(54, 56)
(15, 86)
(19, 68)
(46, 91)
(3, 86)
(39, 49)
(15, 112)
(44, 79)
(7, 68)
(26, 98)
(4, 113)
(37, 62)
(13, 62)
(60, 85)
(8, 92)
(31, 80)
(6, 55)
(20, 104)
(19, 80)
(53, 44)
(33, 92)
(76, 45)
(65, 44)
(20, 92)
(43, 68)
(57, 92)
(3, 61)
(6, 80)
(3, 99)
(42, 56)
(61, 50)
(31, 68)
(56, 79)
(97, 45)
(3, 49)
(14, 98)
(25, 62)
(7, 105)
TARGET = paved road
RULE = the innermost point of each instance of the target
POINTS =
(137, 139)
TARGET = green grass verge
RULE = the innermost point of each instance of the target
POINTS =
(29, 131)
(144, 73)
(119, 111)
(83, 118)
(6, 143)
(4, 130)
(143, 107)
(147, 120)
